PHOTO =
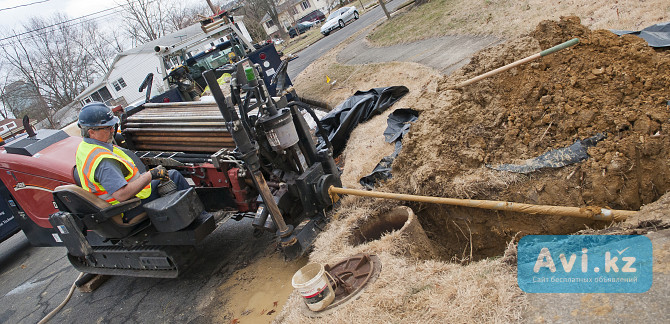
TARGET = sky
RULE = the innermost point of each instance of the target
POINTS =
(14, 18)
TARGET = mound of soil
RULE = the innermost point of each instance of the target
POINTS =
(607, 84)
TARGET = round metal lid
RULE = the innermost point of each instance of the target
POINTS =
(349, 278)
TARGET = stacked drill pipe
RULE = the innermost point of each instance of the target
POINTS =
(178, 127)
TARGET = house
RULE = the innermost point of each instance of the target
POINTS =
(11, 127)
(120, 85)
(9, 124)
(290, 11)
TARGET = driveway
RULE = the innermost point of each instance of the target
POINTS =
(445, 54)
(314, 51)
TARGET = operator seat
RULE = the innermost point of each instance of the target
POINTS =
(98, 215)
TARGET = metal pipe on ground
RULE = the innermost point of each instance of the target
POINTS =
(180, 148)
(176, 113)
(176, 125)
(175, 109)
(589, 212)
(184, 119)
(192, 139)
(179, 104)
(170, 131)
(154, 154)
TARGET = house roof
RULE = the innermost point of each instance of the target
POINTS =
(148, 47)
(288, 4)
(282, 7)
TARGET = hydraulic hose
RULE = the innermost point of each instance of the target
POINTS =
(62, 304)
(321, 130)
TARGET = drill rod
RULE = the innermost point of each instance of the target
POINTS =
(248, 151)
(590, 212)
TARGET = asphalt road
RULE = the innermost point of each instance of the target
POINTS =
(313, 52)
(34, 280)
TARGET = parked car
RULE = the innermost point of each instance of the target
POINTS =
(338, 19)
(313, 16)
(300, 28)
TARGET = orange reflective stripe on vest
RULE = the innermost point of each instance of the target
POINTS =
(89, 157)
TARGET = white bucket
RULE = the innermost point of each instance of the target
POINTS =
(313, 285)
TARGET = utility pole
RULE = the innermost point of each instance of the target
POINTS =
(381, 3)
(211, 6)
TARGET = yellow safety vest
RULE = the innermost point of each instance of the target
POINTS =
(90, 155)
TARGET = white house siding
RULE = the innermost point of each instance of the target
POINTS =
(133, 69)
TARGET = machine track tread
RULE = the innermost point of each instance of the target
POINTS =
(152, 262)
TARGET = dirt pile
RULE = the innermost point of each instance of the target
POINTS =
(606, 84)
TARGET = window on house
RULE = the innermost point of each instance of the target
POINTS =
(96, 97)
(269, 23)
(119, 84)
(105, 95)
(305, 4)
(293, 11)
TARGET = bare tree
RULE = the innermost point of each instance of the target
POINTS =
(253, 20)
(65, 67)
(100, 47)
(183, 16)
(146, 20)
(261, 7)
(56, 61)
(116, 40)
(24, 64)
(5, 81)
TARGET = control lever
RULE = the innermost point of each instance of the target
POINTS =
(249, 155)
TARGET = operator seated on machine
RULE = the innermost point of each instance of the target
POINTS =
(110, 173)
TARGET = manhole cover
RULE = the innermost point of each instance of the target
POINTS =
(349, 278)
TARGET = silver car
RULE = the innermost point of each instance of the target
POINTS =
(338, 19)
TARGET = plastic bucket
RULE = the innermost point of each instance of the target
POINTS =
(313, 285)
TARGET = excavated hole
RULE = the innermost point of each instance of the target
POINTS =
(376, 227)
(467, 234)
(458, 234)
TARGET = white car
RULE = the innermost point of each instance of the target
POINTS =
(338, 19)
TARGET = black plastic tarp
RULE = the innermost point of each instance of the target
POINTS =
(557, 158)
(341, 121)
(656, 35)
(398, 122)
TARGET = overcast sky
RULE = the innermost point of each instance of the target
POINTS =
(14, 18)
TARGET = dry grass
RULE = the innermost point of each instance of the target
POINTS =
(313, 35)
(480, 181)
(301, 41)
(510, 18)
(409, 289)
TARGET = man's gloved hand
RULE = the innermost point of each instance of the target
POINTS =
(159, 172)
